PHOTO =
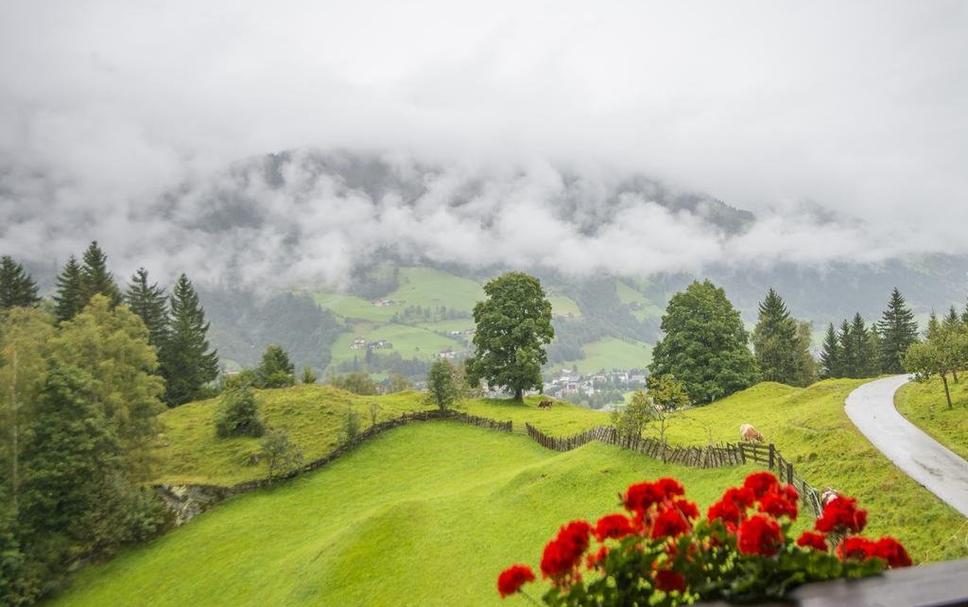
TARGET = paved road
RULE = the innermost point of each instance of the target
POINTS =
(941, 471)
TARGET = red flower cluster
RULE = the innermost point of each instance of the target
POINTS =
(614, 526)
(841, 515)
(563, 553)
(512, 578)
(811, 539)
(886, 548)
(759, 534)
(658, 543)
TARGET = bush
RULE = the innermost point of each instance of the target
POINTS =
(660, 552)
(279, 453)
(275, 370)
(442, 388)
(357, 383)
(238, 414)
(309, 376)
(351, 425)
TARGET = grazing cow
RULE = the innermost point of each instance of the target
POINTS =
(749, 434)
(828, 495)
(545, 404)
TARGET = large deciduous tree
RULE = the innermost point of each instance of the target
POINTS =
(124, 378)
(898, 331)
(187, 361)
(705, 344)
(513, 328)
(17, 288)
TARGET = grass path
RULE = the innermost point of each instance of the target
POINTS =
(925, 406)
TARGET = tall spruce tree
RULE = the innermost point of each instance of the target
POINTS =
(898, 330)
(861, 355)
(17, 288)
(69, 298)
(951, 320)
(934, 326)
(187, 362)
(848, 352)
(776, 343)
(705, 344)
(95, 277)
(831, 355)
(148, 302)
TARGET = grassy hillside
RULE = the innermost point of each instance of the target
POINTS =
(611, 353)
(925, 406)
(810, 427)
(638, 303)
(313, 416)
(427, 514)
(409, 341)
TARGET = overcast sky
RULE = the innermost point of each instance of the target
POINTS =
(861, 108)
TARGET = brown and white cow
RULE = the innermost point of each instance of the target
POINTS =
(750, 434)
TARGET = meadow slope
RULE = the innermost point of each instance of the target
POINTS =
(426, 514)
(924, 405)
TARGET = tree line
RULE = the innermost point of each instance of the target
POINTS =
(83, 378)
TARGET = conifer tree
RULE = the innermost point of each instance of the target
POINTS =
(861, 354)
(898, 330)
(951, 320)
(69, 299)
(95, 277)
(964, 316)
(848, 353)
(148, 302)
(275, 370)
(776, 342)
(934, 326)
(17, 288)
(187, 362)
(831, 354)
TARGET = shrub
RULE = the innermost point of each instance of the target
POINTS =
(279, 453)
(351, 425)
(442, 390)
(309, 376)
(660, 552)
(238, 414)
(357, 383)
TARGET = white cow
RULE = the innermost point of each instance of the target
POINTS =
(749, 434)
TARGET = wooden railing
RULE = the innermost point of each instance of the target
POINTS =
(711, 456)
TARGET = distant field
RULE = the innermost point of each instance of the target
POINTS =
(926, 407)
(352, 307)
(562, 305)
(409, 341)
(645, 308)
(313, 416)
(426, 515)
(611, 353)
(810, 427)
(429, 287)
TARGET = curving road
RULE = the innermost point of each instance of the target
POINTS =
(941, 471)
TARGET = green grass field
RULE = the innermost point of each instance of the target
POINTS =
(562, 305)
(313, 415)
(408, 341)
(810, 428)
(926, 407)
(352, 307)
(424, 515)
(643, 307)
(611, 353)
(429, 287)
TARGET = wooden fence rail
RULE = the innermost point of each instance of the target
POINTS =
(711, 456)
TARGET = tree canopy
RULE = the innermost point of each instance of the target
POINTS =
(187, 361)
(705, 344)
(275, 370)
(17, 288)
(513, 329)
(781, 345)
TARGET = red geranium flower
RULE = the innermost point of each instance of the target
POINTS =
(760, 482)
(780, 503)
(841, 515)
(859, 548)
(760, 534)
(725, 511)
(640, 496)
(687, 508)
(667, 580)
(812, 539)
(512, 578)
(669, 523)
(565, 551)
(892, 551)
(612, 526)
(670, 487)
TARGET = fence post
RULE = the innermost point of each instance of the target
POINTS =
(772, 455)
(789, 473)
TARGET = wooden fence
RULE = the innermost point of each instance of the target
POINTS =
(712, 456)
(201, 497)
